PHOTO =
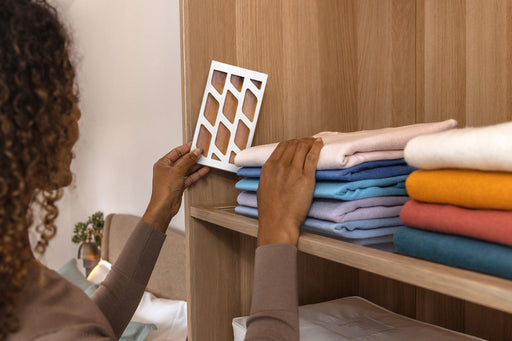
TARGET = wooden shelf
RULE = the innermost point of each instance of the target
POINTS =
(478, 288)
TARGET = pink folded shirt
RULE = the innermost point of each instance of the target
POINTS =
(343, 150)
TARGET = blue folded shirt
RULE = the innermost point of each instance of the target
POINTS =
(368, 170)
(352, 190)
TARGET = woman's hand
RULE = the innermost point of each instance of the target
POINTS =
(171, 175)
(286, 190)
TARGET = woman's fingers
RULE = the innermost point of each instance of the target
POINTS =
(194, 169)
(312, 158)
(302, 149)
(195, 176)
(185, 162)
(288, 153)
(178, 152)
(278, 152)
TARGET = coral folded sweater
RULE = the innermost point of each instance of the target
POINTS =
(490, 225)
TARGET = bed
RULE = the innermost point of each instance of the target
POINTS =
(168, 279)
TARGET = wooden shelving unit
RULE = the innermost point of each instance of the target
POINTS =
(478, 288)
(343, 65)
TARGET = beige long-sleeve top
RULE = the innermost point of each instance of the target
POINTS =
(53, 309)
(274, 310)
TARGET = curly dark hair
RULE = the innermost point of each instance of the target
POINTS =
(37, 102)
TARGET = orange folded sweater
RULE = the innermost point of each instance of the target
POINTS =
(467, 188)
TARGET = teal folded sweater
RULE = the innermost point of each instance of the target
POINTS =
(457, 251)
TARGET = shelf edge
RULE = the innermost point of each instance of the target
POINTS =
(470, 286)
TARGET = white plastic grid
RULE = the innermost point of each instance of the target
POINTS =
(247, 75)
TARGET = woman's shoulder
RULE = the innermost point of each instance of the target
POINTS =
(53, 308)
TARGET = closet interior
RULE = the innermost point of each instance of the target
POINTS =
(343, 65)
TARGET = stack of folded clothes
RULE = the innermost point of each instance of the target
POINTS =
(461, 208)
(360, 186)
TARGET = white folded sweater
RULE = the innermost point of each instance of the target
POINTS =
(486, 148)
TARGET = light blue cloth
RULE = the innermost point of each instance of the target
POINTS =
(458, 251)
(356, 229)
(353, 190)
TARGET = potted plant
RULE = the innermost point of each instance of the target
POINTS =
(89, 234)
(92, 227)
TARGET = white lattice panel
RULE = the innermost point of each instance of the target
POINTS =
(229, 112)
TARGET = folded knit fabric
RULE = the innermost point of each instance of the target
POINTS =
(346, 190)
(343, 150)
(342, 211)
(366, 170)
(491, 225)
(467, 188)
(357, 229)
(485, 148)
(461, 252)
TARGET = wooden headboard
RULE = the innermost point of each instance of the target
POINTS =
(169, 278)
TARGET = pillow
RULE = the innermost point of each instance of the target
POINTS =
(135, 331)
(99, 272)
(71, 272)
(169, 316)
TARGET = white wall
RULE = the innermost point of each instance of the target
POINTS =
(130, 88)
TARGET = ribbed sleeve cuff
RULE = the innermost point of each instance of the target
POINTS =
(275, 278)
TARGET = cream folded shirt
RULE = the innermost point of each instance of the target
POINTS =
(486, 148)
(343, 150)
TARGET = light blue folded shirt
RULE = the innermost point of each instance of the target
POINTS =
(352, 190)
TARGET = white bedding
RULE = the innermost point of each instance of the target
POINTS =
(169, 316)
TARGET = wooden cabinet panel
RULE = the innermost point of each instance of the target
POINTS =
(464, 49)
(442, 61)
(488, 65)
(340, 65)
(384, 46)
(390, 294)
(333, 65)
(441, 310)
(487, 323)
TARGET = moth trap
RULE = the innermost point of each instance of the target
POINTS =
(229, 112)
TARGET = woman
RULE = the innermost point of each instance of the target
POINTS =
(38, 129)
